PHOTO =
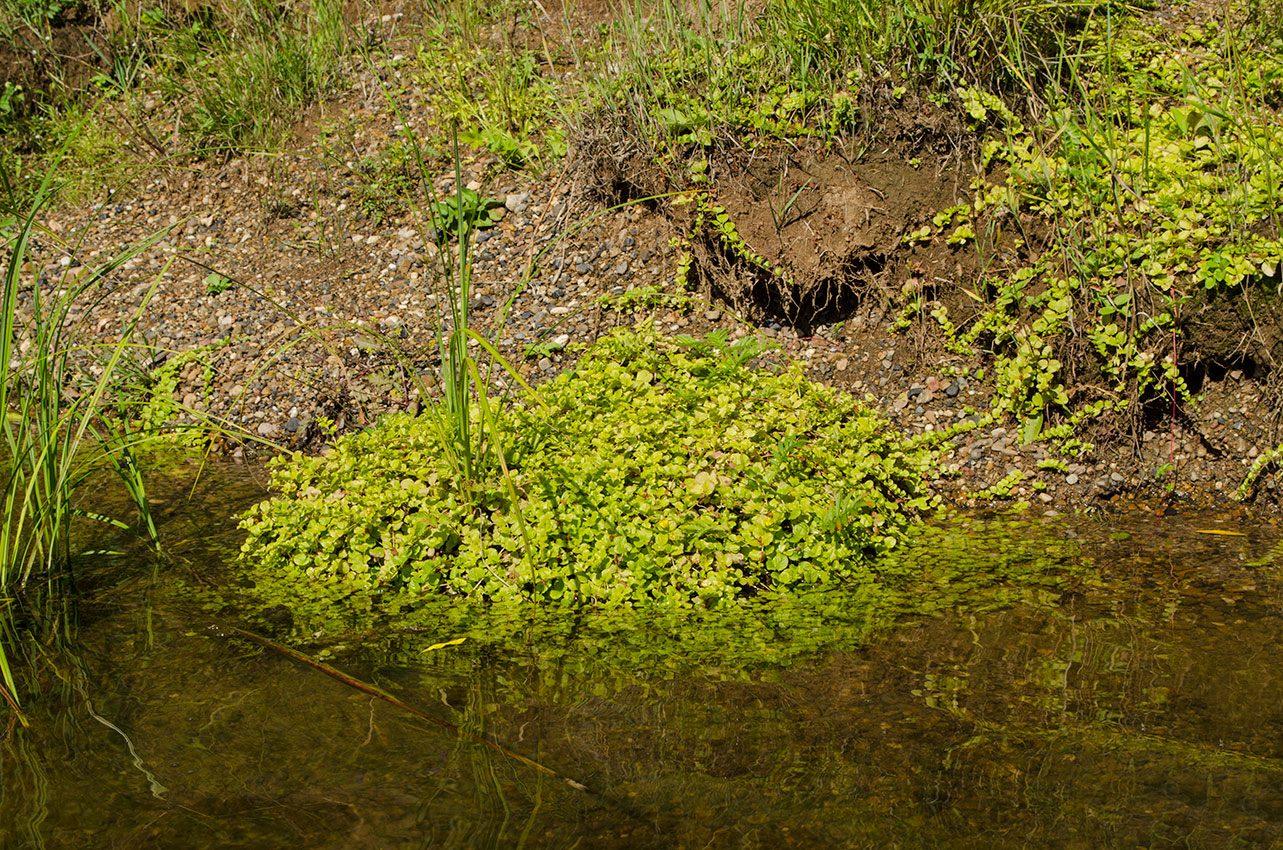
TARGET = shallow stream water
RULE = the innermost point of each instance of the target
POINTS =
(1139, 707)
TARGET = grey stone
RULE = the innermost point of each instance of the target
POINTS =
(517, 202)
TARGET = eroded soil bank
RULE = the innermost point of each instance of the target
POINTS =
(284, 280)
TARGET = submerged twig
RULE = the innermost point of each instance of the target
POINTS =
(389, 698)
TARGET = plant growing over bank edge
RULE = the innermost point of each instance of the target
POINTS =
(56, 395)
(654, 473)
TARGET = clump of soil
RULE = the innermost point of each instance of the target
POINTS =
(832, 218)
(1234, 327)
(835, 225)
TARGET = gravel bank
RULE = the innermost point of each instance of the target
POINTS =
(320, 285)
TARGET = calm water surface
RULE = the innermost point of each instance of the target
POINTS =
(1142, 709)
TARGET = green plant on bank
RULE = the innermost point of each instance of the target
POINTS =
(682, 281)
(173, 79)
(648, 474)
(543, 348)
(1188, 172)
(468, 425)
(499, 94)
(1002, 489)
(387, 179)
(466, 422)
(1155, 170)
(940, 436)
(89, 154)
(648, 297)
(33, 16)
(57, 398)
(248, 79)
(1264, 459)
(217, 284)
(148, 401)
(459, 214)
(11, 98)
(912, 308)
(713, 220)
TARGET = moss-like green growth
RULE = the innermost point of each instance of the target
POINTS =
(657, 471)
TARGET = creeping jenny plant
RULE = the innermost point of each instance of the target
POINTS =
(654, 472)
(1157, 173)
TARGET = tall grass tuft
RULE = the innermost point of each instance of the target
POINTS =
(56, 393)
(248, 79)
(468, 421)
(703, 69)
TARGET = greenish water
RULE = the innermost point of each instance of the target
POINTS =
(1136, 705)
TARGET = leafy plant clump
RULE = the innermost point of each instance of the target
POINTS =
(655, 472)
(464, 211)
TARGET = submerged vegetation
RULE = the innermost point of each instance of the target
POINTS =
(947, 565)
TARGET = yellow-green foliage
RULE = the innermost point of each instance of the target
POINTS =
(656, 471)
(1157, 178)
